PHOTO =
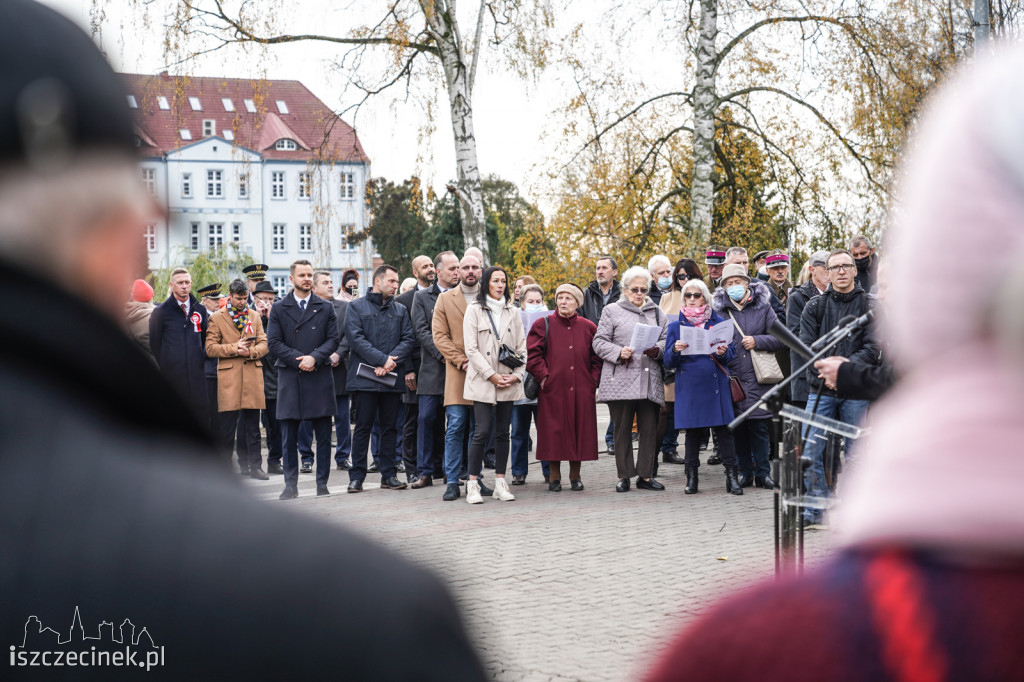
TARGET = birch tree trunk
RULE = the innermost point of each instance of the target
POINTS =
(705, 101)
(458, 80)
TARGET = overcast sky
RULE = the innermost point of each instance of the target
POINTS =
(510, 116)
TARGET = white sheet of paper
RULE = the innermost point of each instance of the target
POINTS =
(530, 318)
(721, 334)
(696, 340)
(644, 336)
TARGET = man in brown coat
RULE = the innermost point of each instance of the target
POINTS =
(447, 328)
(235, 336)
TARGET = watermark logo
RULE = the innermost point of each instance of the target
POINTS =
(120, 646)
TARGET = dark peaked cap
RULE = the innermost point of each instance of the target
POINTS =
(58, 95)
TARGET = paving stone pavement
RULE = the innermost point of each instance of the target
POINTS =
(584, 585)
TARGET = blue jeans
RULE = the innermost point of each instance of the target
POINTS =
(430, 420)
(521, 416)
(454, 439)
(343, 430)
(609, 436)
(848, 411)
(752, 445)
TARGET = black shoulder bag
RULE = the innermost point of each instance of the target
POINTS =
(506, 356)
(530, 384)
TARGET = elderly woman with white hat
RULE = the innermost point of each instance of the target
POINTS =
(559, 354)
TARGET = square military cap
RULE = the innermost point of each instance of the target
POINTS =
(257, 272)
(210, 291)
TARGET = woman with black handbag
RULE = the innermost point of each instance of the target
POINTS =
(496, 350)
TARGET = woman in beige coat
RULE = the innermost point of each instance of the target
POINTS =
(493, 387)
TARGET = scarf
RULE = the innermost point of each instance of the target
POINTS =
(240, 317)
(696, 316)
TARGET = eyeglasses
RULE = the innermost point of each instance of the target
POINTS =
(641, 290)
(695, 294)
(682, 277)
(842, 267)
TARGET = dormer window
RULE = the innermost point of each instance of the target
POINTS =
(132, 104)
(282, 108)
(228, 104)
(162, 103)
(209, 127)
(250, 106)
(185, 133)
(286, 145)
(195, 104)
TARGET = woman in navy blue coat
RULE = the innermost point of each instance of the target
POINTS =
(703, 398)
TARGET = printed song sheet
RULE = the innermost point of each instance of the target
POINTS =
(644, 336)
(705, 341)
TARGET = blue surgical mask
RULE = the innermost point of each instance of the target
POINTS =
(534, 307)
(664, 282)
(737, 292)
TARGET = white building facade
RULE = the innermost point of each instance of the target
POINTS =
(262, 164)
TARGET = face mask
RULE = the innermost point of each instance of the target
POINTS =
(664, 282)
(862, 263)
(352, 290)
(534, 307)
(736, 292)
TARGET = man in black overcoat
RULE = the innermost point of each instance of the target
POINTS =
(177, 336)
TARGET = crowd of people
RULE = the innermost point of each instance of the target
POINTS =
(441, 379)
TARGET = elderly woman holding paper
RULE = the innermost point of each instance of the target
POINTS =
(630, 340)
(703, 398)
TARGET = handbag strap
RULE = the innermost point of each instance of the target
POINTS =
(724, 370)
(491, 318)
(742, 333)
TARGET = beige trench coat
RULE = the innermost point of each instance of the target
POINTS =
(239, 379)
(482, 350)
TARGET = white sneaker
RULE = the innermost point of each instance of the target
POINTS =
(473, 495)
(502, 492)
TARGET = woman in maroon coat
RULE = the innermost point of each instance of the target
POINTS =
(564, 363)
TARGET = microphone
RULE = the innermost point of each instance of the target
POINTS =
(845, 326)
(792, 341)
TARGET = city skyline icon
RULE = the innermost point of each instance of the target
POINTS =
(125, 634)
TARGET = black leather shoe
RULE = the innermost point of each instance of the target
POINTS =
(401, 467)
(258, 474)
(764, 482)
(306, 468)
(672, 458)
(732, 483)
(392, 484)
(374, 467)
(289, 493)
(463, 475)
(422, 482)
(649, 484)
(275, 468)
(576, 484)
(484, 490)
(555, 486)
(692, 481)
(355, 486)
(322, 490)
(745, 480)
(488, 462)
(451, 492)
(344, 465)
(518, 479)
(622, 486)
(714, 459)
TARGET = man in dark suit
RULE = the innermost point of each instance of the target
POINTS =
(423, 271)
(339, 366)
(264, 298)
(430, 379)
(379, 339)
(323, 287)
(302, 336)
(120, 511)
(177, 336)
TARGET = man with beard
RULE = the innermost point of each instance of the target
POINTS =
(423, 271)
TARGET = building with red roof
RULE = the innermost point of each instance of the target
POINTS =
(261, 163)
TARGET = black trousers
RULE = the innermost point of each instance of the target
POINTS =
(622, 413)
(290, 438)
(410, 429)
(216, 422)
(484, 430)
(246, 423)
(273, 427)
(368, 406)
(726, 448)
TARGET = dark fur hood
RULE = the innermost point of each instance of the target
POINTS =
(762, 297)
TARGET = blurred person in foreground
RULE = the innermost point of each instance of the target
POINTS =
(927, 578)
(117, 510)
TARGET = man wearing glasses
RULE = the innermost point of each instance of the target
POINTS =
(821, 315)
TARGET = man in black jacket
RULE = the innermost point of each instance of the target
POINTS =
(264, 296)
(820, 316)
(120, 513)
(795, 304)
(423, 271)
(604, 290)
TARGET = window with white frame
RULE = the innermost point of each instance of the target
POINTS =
(282, 108)
(209, 127)
(305, 180)
(250, 106)
(348, 186)
(150, 237)
(286, 145)
(243, 186)
(215, 183)
(194, 237)
(186, 185)
(149, 180)
(215, 235)
(277, 185)
(195, 104)
(162, 103)
(277, 238)
(305, 237)
(346, 232)
(228, 104)
(228, 135)
(236, 233)
(280, 284)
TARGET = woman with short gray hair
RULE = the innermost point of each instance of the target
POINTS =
(631, 378)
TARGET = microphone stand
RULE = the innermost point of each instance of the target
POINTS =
(789, 532)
